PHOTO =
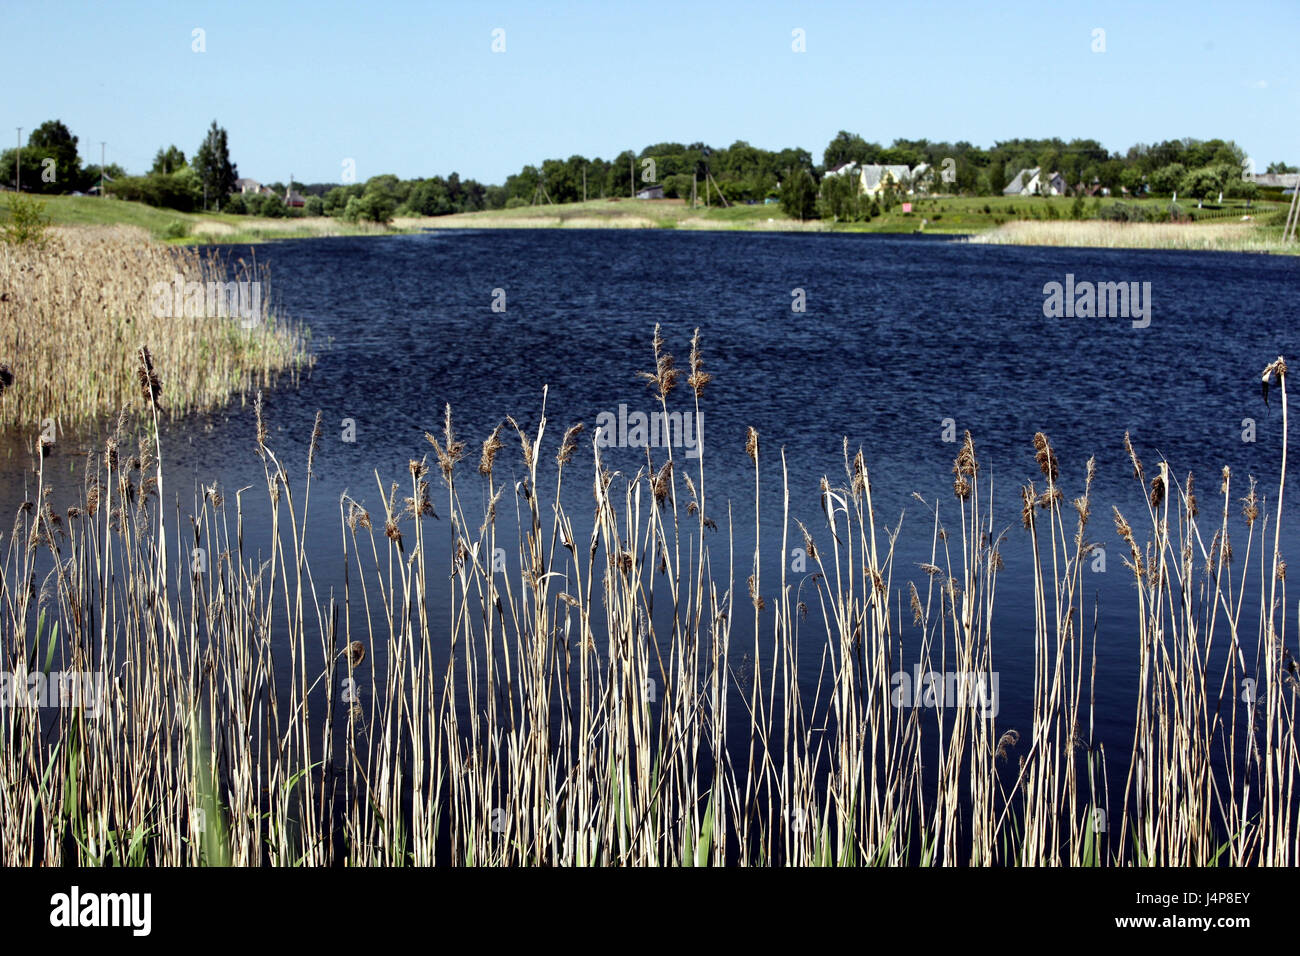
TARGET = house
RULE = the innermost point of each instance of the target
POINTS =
(1020, 183)
(246, 186)
(1284, 180)
(293, 199)
(876, 179)
(922, 178)
(651, 191)
(1028, 182)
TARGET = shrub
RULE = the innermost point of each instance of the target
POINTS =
(176, 229)
(274, 207)
(514, 202)
(27, 222)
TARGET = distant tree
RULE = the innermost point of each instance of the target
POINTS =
(273, 207)
(376, 206)
(53, 140)
(90, 174)
(1242, 188)
(1167, 179)
(849, 147)
(168, 160)
(212, 162)
(1282, 168)
(314, 206)
(1201, 183)
(997, 179)
(799, 194)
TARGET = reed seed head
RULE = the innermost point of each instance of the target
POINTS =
(491, 445)
(150, 383)
(698, 377)
(569, 444)
(1046, 458)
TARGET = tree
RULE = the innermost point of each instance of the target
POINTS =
(376, 206)
(314, 206)
(1167, 179)
(168, 160)
(212, 162)
(997, 179)
(799, 194)
(849, 147)
(1201, 183)
(1282, 168)
(53, 140)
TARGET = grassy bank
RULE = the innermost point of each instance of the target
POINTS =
(1034, 220)
(73, 313)
(168, 225)
(618, 214)
(630, 697)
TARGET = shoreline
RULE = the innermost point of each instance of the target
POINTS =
(1037, 221)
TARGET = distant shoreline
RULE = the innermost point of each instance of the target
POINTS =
(1036, 221)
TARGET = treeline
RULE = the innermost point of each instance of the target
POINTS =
(738, 173)
(51, 163)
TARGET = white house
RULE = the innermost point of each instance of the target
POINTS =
(873, 178)
(1029, 182)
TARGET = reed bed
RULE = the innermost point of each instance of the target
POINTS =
(266, 228)
(1222, 236)
(629, 696)
(72, 310)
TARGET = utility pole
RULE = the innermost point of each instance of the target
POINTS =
(584, 183)
(694, 177)
(18, 164)
(631, 171)
(102, 144)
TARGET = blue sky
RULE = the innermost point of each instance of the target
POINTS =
(415, 89)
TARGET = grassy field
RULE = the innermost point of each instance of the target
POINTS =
(193, 228)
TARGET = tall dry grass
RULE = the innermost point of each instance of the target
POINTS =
(72, 313)
(632, 695)
(1223, 236)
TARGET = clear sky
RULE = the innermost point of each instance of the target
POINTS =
(415, 88)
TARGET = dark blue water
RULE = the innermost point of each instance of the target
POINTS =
(899, 335)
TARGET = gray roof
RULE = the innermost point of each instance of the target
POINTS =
(872, 175)
(1020, 181)
(1289, 180)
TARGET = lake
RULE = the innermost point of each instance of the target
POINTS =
(897, 344)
